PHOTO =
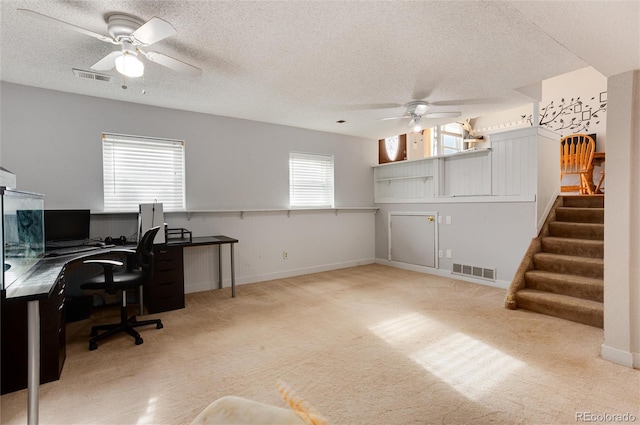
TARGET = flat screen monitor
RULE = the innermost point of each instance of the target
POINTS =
(66, 225)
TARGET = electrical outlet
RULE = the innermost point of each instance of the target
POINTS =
(448, 219)
(448, 253)
(285, 255)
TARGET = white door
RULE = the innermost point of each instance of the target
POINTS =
(412, 238)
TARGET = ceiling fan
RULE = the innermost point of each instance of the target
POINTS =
(133, 35)
(418, 109)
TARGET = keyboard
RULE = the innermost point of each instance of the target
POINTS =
(71, 250)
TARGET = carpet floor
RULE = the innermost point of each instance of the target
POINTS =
(363, 345)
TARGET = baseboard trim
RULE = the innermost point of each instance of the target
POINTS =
(621, 357)
(207, 286)
(502, 284)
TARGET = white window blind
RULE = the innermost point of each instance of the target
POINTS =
(310, 180)
(138, 170)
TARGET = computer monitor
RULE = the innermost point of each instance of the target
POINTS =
(66, 225)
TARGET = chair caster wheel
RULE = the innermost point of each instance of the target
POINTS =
(159, 326)
(139, 341)
(92, 346)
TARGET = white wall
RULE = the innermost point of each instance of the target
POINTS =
(52, 141)
(489, 235)
(588, 85)
(622, 223)
(415, 145)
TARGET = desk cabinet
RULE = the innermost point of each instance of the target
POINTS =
(14, 340)
(166, 289)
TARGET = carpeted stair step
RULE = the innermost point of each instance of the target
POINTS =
(580, 215)
(569, 264)
(577, 247)
(592, 231)
(569, 308)
(575, 286)
(587, 201)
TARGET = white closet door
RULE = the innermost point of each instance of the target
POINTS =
(413, 239)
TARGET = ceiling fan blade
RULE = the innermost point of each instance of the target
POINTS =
(154, 30)
(107, 63)
(442, 114)
(67, 25)
(172, 63)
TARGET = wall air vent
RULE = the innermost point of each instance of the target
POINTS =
(91, 75)
(473, 271)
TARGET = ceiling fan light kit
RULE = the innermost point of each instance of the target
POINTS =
(129, 65)
(415, 124)
(131, 33)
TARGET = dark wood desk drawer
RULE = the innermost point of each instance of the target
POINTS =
(166, 289)
(167, 275)
(14, 357)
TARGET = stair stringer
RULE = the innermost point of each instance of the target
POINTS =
(526, 264)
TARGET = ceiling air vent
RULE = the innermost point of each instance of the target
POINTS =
(91, 75)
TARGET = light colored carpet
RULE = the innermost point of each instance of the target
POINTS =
(364, 345)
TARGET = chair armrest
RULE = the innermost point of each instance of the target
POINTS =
(107, 263)
(107, 266)
(131, 256)
(123, 251)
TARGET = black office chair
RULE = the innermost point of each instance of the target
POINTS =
(112, 281)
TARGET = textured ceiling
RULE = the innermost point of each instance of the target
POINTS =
(310, 63)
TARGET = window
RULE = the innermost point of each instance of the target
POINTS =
(392, 148)
(447, 138)
(139, 170)
(310, 180)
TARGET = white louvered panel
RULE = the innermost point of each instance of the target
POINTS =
(467, 175)
(503, 168)
(521, 158)
(514, 164)
(497, 168)
(405, 180)
(405, 188)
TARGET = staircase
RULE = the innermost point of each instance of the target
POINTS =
(565, 270)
